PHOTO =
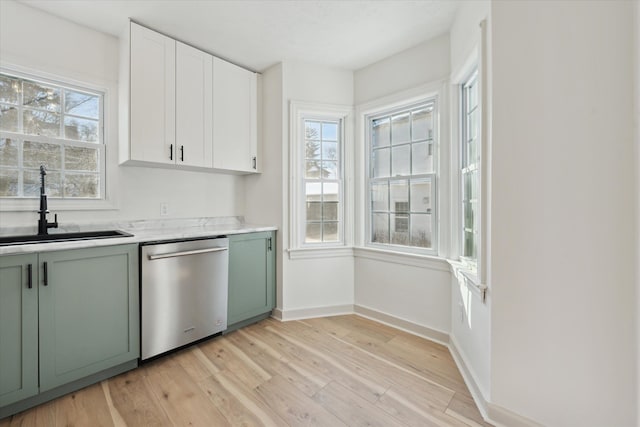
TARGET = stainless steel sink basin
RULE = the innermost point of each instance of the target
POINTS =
(61, 237)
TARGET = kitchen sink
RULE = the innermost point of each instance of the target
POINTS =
(61, 237)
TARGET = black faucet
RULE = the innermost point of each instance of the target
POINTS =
(43, 225)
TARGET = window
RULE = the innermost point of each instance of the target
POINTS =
(59, 126)
(469, 168)
(401, 180)
(322, 181)
(319, 196)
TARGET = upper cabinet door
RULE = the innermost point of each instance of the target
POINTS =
(234, 117)
(194, 106)
(152, 96)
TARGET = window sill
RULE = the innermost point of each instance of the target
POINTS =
(468, 277)
(414, 260)
(33, 205)
(324, 252)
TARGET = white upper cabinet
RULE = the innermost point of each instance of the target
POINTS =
(185, 107)
(194, 110)
(152, 95)
(235, 139)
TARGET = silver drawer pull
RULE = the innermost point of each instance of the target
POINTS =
(185, 253)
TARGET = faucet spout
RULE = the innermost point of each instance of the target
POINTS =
(43, 224)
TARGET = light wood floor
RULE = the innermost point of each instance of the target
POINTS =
(337, 371)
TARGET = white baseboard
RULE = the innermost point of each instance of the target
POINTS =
(469, 378)
(402, 324)
(308, 313)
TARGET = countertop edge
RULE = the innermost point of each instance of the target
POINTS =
(139, 236)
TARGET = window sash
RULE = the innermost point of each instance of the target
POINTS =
(418, 226)
(315, 231)
(469, 170)
(63, 168)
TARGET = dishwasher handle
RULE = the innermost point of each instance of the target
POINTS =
(185, 253)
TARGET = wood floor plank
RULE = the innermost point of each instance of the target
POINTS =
(227, 356)
(236, 403)
(86, 407)
(367, 327)
(325, 324)
(381, 371)
(134, 401)
(464, 408)
(294, 373)
(181, 399)
(436, 356)
(295, 408)
(342, 370)
(419, 364)
(42, 415)
(353, 377)
(196, 363)
(414, 411)
(352, 409)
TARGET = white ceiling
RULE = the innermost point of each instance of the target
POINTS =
(347, 34)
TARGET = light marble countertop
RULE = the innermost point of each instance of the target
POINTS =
(142, 231)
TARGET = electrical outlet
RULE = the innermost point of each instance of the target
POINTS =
(164, 209)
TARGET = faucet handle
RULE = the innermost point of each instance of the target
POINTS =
(53, 224)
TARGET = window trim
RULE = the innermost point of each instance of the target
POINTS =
(402, 102)
(107, 150)
(300, 111)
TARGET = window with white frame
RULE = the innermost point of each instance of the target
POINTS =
(402, 177)
(322, 181)
(52, 124)
(469, 168)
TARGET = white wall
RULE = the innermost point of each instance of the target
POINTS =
(265, 196)
(470, 317)
(564, 204)
(418, 294)
(305, 285)
(45, 43)
(415, 294)
(425, 63)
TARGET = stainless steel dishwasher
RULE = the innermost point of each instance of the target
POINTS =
(184, 292)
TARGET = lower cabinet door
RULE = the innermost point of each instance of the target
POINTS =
(88, 312)
(18, 328)
(251, 275)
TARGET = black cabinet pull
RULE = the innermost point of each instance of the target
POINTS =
(182, 153)
(45, 278)
(269, 247)
(255, 162)
(29, 276)
(171, 152)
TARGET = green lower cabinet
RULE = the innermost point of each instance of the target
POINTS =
(88, 312)
(80, 318)
(252, 290)
(18, 328)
